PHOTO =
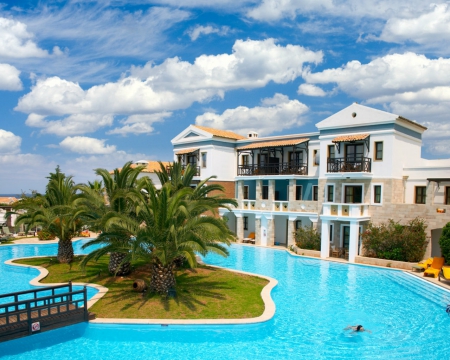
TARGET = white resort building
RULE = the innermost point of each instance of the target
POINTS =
(361, 165)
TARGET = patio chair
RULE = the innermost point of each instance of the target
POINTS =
(423, 265)
(250, 238)
(444, 273)
(435, 267)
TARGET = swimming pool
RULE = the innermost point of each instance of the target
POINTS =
(315, 300)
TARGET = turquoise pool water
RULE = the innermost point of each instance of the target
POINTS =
(315, 300)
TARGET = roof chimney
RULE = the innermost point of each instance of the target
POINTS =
(252, 134)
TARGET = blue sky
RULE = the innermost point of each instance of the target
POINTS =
(87, 84)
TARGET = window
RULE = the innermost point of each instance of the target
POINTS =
(298, 192)
(245, 222)
(316, 155)
(203, 159)
(353, 194)
(331, 151)
(245, 159)
(447, 195)
(298, 224)
(180, 158)
(421, 194)
(354, 152)
(378, 150)
(330, 193)
(245, 191)
(295, 158)
(377, 194)
(315, 193)
(265, 192)
(331, 232)
(192, 160)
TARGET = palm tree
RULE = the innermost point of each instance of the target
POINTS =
(171, 223)
(56, 211)
(116, 187)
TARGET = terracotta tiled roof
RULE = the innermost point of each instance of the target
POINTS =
(350, 138)
(151, 167)
(221, 133)
(8, 200)
(277, 143)
(186, 151)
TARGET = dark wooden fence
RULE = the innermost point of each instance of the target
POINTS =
(33, 311)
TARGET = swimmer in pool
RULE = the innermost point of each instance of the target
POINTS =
(357, 328)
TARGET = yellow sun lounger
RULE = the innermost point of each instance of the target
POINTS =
(435, 267)
(423, 265)
(445, 273)
(250, 238)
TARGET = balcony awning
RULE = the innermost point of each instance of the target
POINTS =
(344, 138)
(269, 144)
(186, 151)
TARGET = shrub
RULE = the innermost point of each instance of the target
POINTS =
(45, 235)
(393, 241)
(444, 243)
(307, 238)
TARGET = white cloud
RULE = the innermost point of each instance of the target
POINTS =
(86, 145)
(9, 78)
(386, 76)
(9, 143)
(199, 30)
(163, 88)
(408, 84)
(139, 124)
(275, 114)
(16, 41)
(310, 90)
(432, 27)
(439, 147)
(272, 10)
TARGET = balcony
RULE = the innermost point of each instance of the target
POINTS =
(273, 169)
(183, 167)
(359, 164)
(343, 210)
(278, 206)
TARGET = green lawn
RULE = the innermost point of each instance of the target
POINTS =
(202, 293)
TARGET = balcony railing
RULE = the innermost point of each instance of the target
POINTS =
(359, 164)
(346, 210)
(197, 168)
(273, 169)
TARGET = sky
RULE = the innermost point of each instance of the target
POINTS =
(93, 84)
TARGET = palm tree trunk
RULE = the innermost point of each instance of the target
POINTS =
(162, 278)
(65, 251)
(116, 267)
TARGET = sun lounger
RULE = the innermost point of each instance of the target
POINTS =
(445, 273)
(435, 267)
(423, 265)
(250, 238)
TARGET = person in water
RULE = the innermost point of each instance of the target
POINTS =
(357, 328)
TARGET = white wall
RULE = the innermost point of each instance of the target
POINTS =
(280, 228)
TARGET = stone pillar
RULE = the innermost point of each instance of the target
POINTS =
(239, 227)
(240, 189)
(270, 231)
(314, 222)
(292, 184)
(354, 241)
(291, 230)
(258, 230)
(258, 189)
(325, 239)
(271, 190)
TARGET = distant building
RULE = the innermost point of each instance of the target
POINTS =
(150, 170)
(362, 165)
(5, 206)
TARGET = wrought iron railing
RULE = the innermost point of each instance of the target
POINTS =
(273, 169)
(197, 168)
(349, 164)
